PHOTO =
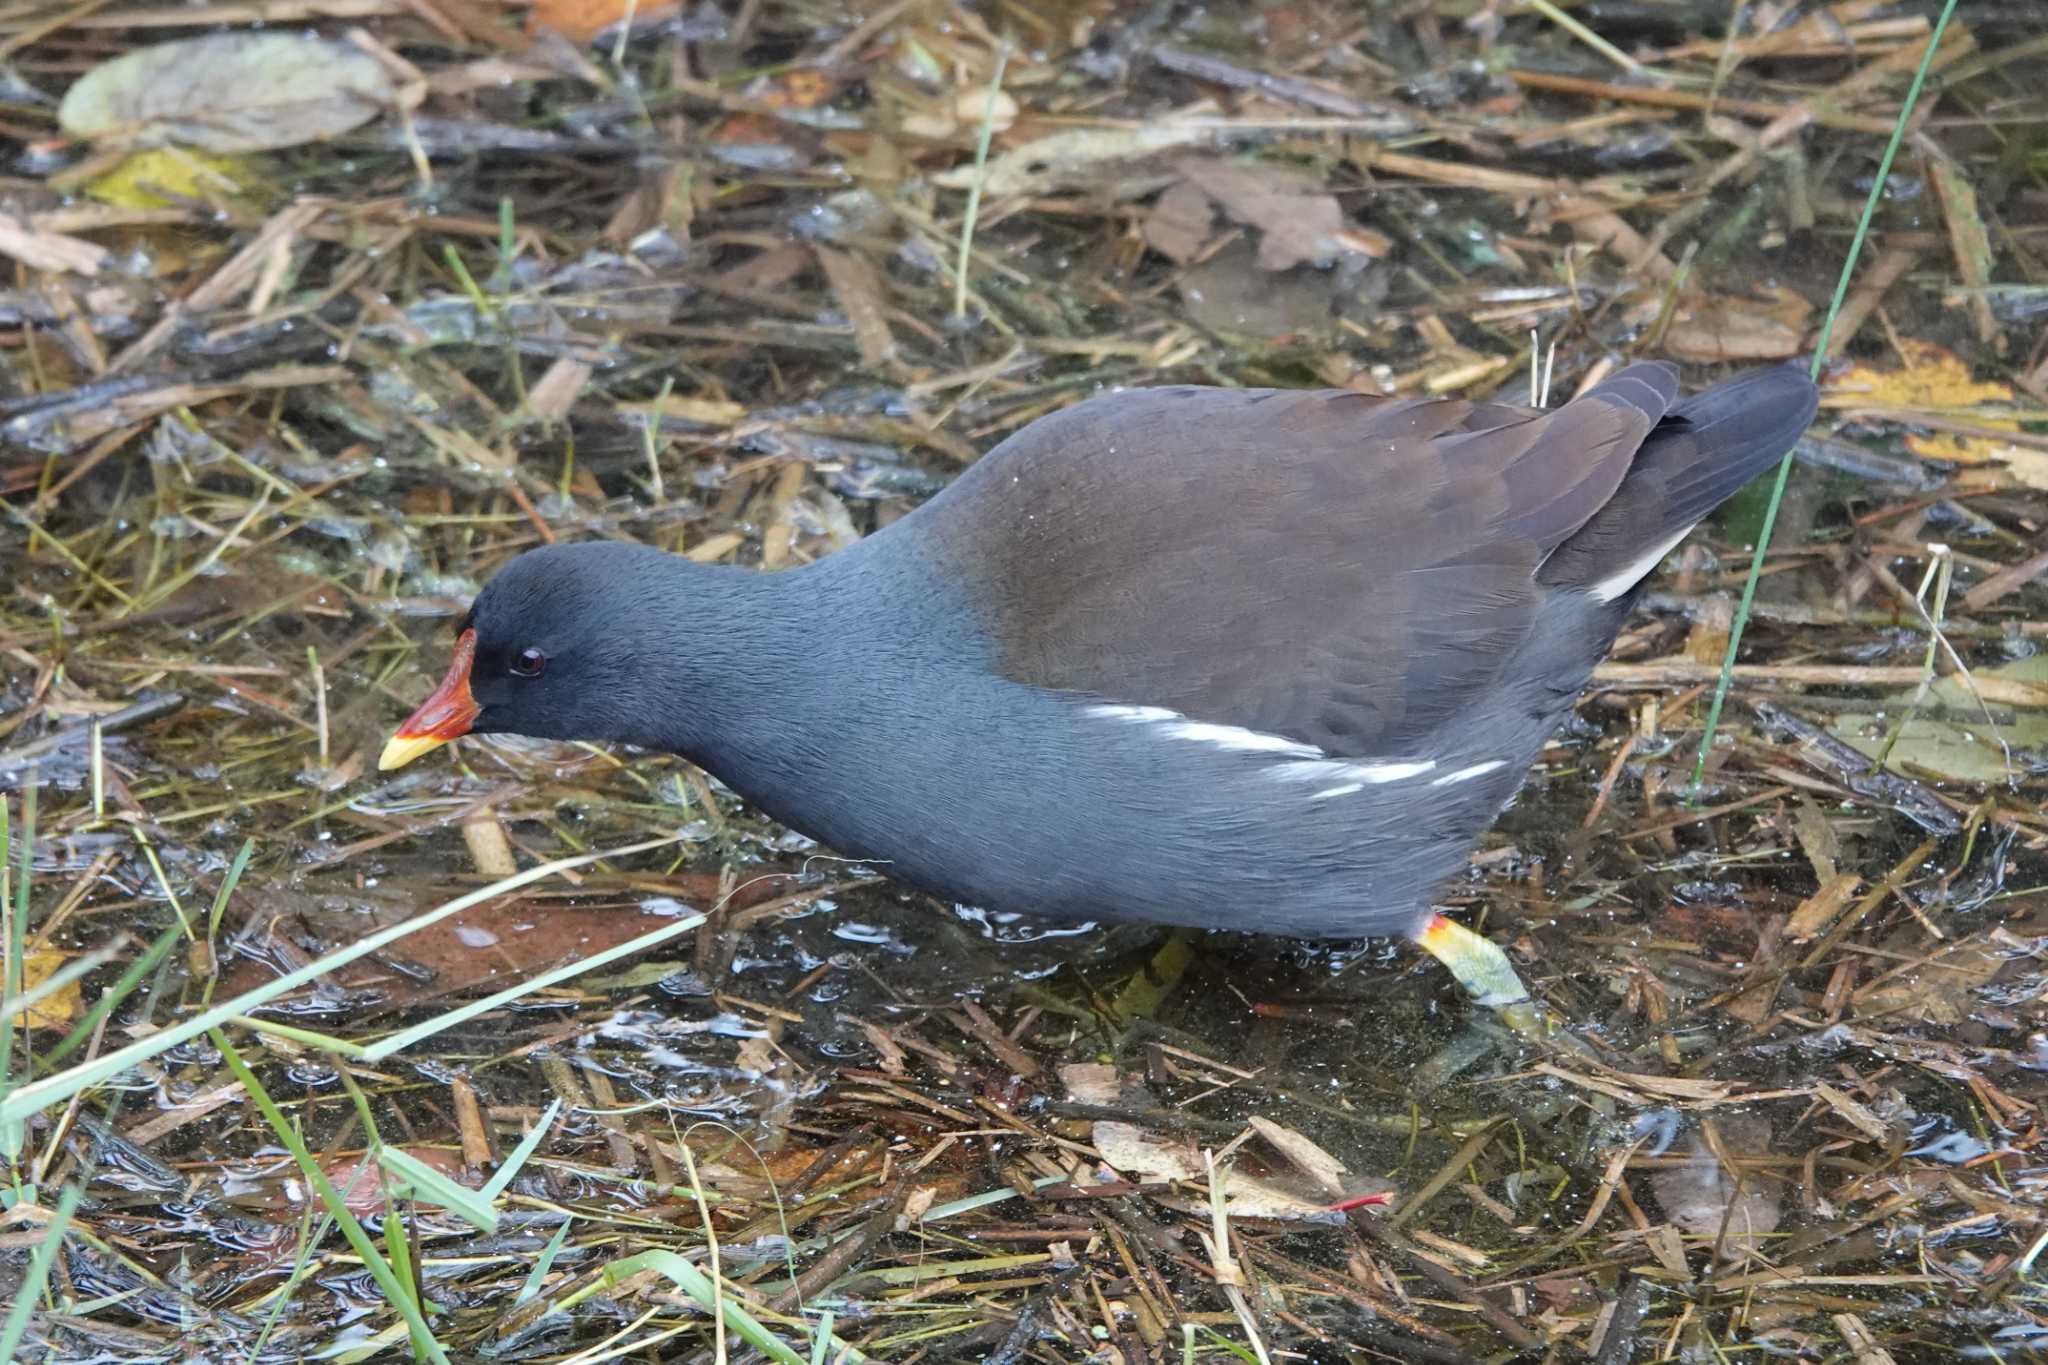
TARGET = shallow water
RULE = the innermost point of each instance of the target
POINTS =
(859, 1042)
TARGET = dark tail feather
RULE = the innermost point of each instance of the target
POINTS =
(1707, 447)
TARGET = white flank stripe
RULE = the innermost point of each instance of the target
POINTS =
(1467, 774)
(1345, 790)
(1308, 763)
(1614, 585)
(1236, 737)
(1233, 737)
(1319, 769)
(1133, 713)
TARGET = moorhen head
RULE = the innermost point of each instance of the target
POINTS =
(1264, 660)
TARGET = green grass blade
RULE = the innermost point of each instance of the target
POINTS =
(397, 1292)
(111, 998)
(415, 1179)
(955, 1208)
(156, 868)
(311, 1235)
(227, 887)
(698, 1286)
(41, 1094)
(537, 1276)
(1225, 1343)
(24, 1305)
(26, 862)
(398, 1042)
(305, 1037)
(14, 944)
(1820, 351)
(398, 1250)
(821, 1339)
(967, 220)
(502, 1178)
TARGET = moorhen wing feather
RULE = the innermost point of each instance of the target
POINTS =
(1265, 660)
(1344, 571)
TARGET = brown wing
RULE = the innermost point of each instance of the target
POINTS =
(1344, 571)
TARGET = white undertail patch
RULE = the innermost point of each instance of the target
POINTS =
(1614, 585)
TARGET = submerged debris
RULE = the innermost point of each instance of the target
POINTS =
(557, 1054)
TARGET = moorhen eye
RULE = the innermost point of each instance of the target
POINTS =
(529, 663)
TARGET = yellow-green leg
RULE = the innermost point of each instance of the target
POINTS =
(1489, 978)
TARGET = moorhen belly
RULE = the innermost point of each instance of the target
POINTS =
(1264, 660)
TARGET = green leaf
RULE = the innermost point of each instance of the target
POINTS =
(415, 1178)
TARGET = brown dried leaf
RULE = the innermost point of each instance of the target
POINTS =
(757, 1055)
(1179, 223)
(915, 1207)
(858, 288)
(1720, 329)
(1970, 243)
(557, 390)
(1091, 1082)
(892, 1057)
(1130, 1150)
(1818, 911)
(1817, 839)
(1857, 1114)
(1668, 1247)
(1298, 222)
(362, 1184)
(1940, 991)
(490, 848)
(1702, 1199)
(964, 113)
(1229, 294)
(1150, 1157)
(1629, 1085)
(1312, 1160)
(1754, 1003)
(1074, 159)
(49, 250)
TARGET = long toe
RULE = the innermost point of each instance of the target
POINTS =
(1491, 980)
(1527, 1025)
(1536, 1025)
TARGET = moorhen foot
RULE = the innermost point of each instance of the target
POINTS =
(1264, 660)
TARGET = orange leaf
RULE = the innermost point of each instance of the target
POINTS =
(805, 89)
(581, 20)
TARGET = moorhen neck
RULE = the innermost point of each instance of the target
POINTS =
(1263, 660)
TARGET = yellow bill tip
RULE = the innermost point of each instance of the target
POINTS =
(403, 749)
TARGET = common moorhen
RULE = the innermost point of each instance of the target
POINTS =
(1261, 660)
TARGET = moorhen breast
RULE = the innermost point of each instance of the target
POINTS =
(1264, 660)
